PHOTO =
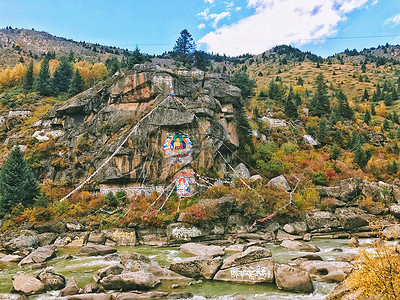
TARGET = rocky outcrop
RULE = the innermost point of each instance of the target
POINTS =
(110, 270)
(111, 107)
(25, 239)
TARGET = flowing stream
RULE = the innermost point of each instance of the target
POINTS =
(83, 268)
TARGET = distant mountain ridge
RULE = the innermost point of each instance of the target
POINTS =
(18, 45)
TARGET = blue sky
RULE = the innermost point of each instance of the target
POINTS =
(233, 27)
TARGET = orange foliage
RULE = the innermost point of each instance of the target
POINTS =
(90, 72)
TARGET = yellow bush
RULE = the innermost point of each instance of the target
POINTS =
(377, 272)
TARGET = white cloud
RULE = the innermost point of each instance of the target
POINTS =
(229, 4)
(394, 21)
(205, 14)
(201, 26)
(209, 1)
(280, 22)
(374, 2)
(238, 8)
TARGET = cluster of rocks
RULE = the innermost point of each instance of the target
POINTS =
(134, 274)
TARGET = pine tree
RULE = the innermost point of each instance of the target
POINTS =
(323, 131)
(184, 46)
(343, 105)
(367, 117)
(242, 80)
(320, 103)
(28, 78)
(77, 84)
(335, 152)
(17, 182)
(43, 81)
(360, 156)
(366, 95)
(62, 76)
(373, 112)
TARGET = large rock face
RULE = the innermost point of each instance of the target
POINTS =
(39, 255)
(101, 117)
(139, 280)
(197, 267)
(291, 279)
(26, 284)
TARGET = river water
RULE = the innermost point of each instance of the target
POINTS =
(82, 269)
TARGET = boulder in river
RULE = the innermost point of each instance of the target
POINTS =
(252, 254)
(39, 255)
(51, 279)
(391, 232)
(71, 288)
(200, 249)
(292, 279)
(110, 270)
(256, 272)
(128, 281)
(327, 271)
(27, 284)
(197, 267)
(299, 246)
(94, 250)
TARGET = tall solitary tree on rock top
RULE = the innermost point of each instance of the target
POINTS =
(184, 46)
(17, 182)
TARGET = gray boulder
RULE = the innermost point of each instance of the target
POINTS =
(39, 255)
(202, 250)
(391, 232)
(279, 182)
(184, 232)
(203, 267)
(51, 279)
(47, 238)
(139, 280)
(54, 226)
(299, 246)
(260, 271)
(110, 270)
(122, 236)
(353, 217)
(395, 210)
(291, 279)
(71, 288)
(94, 250)
(25, 239)
(252, 254)
(317, 220)
(27, 284)
(295, 228)
(98, 296)
(11, 258)
(242, 171)
(327, 271)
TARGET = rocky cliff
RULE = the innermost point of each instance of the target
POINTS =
(91, 125)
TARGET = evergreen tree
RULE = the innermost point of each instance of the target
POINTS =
(274, 91)
(290, 109)
(184, 46)
(387, 99)
(112, 65)
(385, 125)
(17, 183)
(323, 131)
(62, 76)
(361, 157)
(242, 80)
(393, 167)
(300, 81)
(373, 112)
(366, 95)
(135, 58)
(343, 105)
(202, 61)
(28, 78)
(320, 103)
(367, 117)
(335, 152)
(77, 84)
(43, 81)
